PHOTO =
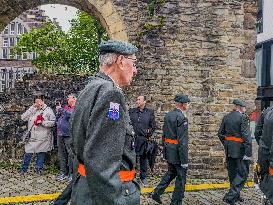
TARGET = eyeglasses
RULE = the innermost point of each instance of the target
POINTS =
(133, 60)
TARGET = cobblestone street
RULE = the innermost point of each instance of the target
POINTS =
(12, 184)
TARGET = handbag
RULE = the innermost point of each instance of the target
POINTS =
(26, 136)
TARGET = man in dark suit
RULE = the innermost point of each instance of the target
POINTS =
(102, 135)
(235, 136)
(175, 141)
(143, 121)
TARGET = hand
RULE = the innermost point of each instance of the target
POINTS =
(58, 107)
(39, 121)
(246, 158)
(184, 166)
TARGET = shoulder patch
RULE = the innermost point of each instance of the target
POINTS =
(113, 112)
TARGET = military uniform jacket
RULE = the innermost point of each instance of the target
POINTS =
(176, 128)
(102, 140)
(266, 142)
(259, 126)
(236, 124)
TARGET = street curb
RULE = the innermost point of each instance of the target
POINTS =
(50, 197)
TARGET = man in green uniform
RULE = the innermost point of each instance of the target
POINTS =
(175, 141)
(235, 136)
(102, 136)
(259, 127)
(265, 156)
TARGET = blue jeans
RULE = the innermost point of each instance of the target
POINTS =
(40, 158)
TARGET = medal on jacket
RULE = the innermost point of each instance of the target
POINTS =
(113, 112)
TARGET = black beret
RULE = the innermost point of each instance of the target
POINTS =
(239, 102)
(181, 98)
(120, 47)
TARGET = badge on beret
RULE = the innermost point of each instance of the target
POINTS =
(113, 112)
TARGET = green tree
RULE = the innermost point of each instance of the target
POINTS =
(58, 52)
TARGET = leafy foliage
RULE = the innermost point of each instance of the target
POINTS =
(60, 52)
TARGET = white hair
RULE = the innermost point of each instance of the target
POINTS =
(107, 59)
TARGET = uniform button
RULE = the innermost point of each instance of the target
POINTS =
(127, 191)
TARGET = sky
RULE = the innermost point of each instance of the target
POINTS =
(63, 14)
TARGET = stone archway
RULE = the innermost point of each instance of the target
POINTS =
(103, 10)
(201, 48)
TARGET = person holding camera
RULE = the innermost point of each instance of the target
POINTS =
(40, 119)
(64, 140)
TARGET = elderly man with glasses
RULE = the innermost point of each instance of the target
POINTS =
(101, 132)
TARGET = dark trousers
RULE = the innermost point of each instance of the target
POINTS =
(65, 196)
(40, 158)
(174, 171)
(266, 183)
(143, 163)
(65, 154)
(238, 170)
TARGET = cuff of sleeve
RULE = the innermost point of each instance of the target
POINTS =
(270, 171)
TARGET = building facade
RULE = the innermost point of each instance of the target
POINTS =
(264, 52)
(13, 67)
(10, 36)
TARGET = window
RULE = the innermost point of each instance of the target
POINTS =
(6, 42)
(24, 56)
(259, 64)
(20, 29)
(12, 28)
(4, 53)
(33, 55)
(6, 31)
(11, 42)
(259, 23)
(25, 30)
(17, 41)
(19, 57)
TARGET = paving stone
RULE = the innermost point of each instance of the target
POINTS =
(12, 184)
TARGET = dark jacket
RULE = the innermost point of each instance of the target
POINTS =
(236, 124)
(102, 140)
(259, 126)
(143, 123)
(63, 118)
(176, 128)
(266, 141)
(265, 155)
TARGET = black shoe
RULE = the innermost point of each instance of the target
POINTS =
(241, 199)
(144, 182)
(229, 202)
(156, 198)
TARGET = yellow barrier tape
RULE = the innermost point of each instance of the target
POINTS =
(50, 197)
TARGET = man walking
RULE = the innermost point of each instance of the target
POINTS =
(102, 135)
(265, 156)
(234, 135)
(175, 140)
(143, 121)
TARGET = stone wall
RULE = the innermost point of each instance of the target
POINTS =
(15, 101)
(203, 48)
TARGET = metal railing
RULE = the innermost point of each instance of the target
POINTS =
(9, 75)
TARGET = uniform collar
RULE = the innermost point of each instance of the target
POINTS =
(183, 112)
(108, 78)
(180, 110)
(239, 111)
